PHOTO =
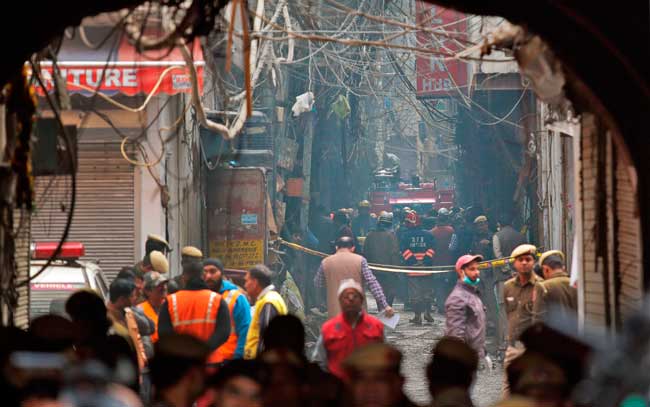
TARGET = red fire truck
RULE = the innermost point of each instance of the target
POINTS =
(388, 193)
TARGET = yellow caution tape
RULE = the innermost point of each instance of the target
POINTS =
(425, 270)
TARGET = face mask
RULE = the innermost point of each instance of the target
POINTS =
(469, 282)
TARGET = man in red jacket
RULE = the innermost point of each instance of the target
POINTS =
(349, 330)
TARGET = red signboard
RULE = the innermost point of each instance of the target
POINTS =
(110, 69)
(438, 75)
(125, 78)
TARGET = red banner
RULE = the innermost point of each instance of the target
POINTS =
(128, 79)
(436, 76)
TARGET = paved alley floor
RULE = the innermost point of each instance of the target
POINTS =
(416, 343)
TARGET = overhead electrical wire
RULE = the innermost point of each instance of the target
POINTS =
(73, 177)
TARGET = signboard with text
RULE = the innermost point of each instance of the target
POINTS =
(127, 79)
(238, 254)
(237, 216)
(438, 75)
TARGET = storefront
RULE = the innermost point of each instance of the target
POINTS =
(118, 199)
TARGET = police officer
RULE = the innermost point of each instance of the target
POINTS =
(556, 290)
(153, 242)
(518, 299)
(189, 255)
(416, 246)
(381, 247)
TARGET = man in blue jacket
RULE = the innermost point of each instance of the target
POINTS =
(238, 305)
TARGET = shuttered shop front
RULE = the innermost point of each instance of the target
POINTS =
(103, 218)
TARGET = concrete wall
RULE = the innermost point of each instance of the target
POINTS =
(178, 174)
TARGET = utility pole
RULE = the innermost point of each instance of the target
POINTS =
(306, 167)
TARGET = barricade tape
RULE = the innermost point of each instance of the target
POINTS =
(425, 270)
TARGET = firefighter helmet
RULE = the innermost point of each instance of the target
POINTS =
(364, 204)
(412, 219)
(386, 218)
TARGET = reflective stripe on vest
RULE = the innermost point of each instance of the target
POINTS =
(227, 350)
(194, 312)
(231, 302)
(208, 317)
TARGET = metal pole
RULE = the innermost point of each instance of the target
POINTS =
(306, 167)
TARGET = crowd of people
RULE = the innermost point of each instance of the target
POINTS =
(410, 239)
(199, 339)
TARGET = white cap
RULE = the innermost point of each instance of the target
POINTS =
(349, 283)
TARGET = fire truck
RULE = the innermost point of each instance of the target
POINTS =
(388, 193)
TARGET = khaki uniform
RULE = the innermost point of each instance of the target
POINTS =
(555, 291)
(518, 299)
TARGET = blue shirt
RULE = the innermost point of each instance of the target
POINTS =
(241, 315)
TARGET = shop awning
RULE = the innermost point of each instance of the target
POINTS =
(119, 67)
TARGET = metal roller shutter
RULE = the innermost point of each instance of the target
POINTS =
(104, 214)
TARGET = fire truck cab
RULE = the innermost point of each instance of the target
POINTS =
(387, 194)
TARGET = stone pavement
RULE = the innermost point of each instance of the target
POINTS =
(416, 343)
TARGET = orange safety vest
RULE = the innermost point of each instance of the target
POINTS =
(195, 313)
(152, 315)
(227, 350)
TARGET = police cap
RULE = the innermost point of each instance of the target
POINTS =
(549, 253)
(158, 261)
(524, 249)
(155, 238)
(191, 251)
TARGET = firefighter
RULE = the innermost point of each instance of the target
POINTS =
(196, 310)
(416, 246)
(363, 222)
(382, 247)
